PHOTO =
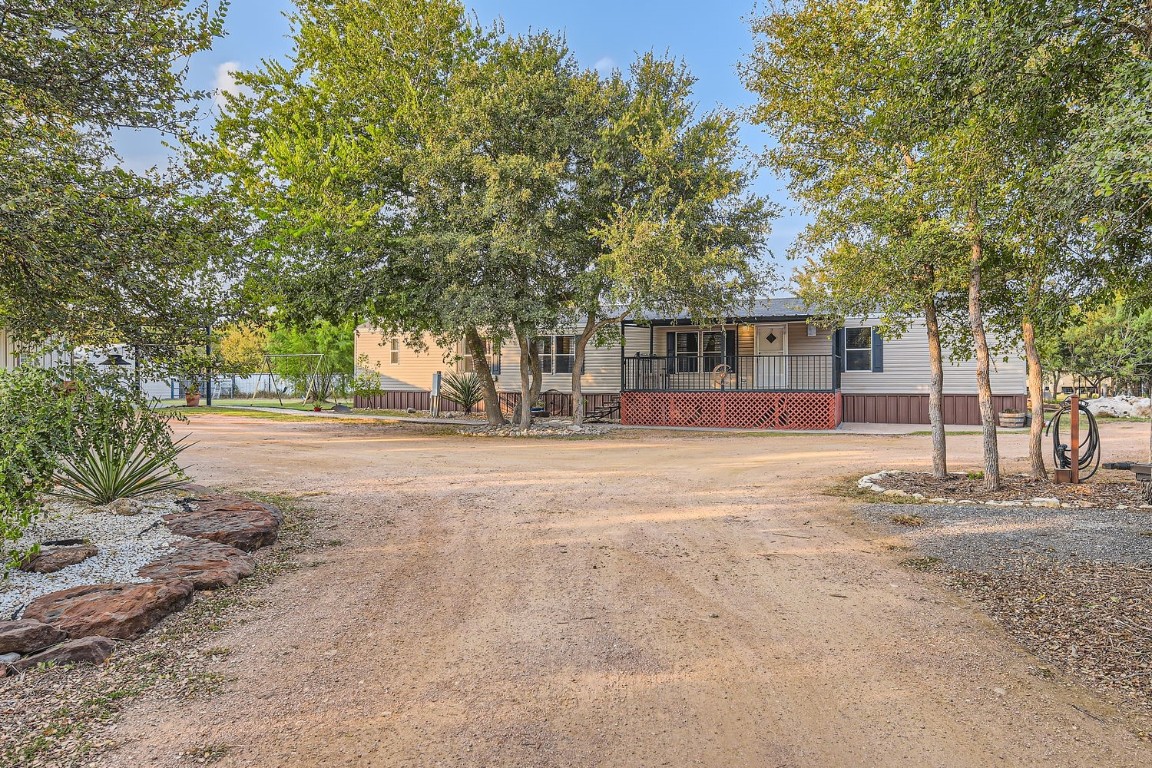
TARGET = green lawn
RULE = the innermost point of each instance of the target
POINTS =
(269, 402)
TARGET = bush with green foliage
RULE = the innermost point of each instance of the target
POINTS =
(369, 380)
(50, 419)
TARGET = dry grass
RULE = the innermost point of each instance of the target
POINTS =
(910, 521)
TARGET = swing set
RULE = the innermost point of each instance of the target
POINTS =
(281, 376)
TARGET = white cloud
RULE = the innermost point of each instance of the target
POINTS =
(605, 65)
(225, 82)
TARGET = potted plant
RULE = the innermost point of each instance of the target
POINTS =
(191, 366)
(1010, 418)
(192, 394)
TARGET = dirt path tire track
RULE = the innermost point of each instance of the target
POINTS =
(642, 601)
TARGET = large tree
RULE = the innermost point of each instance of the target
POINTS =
(91, 251)
(829, 76)
(665, 221)
(436, 178)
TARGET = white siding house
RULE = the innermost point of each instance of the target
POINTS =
(770, 368)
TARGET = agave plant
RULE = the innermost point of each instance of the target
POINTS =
(464, 388)
(112, 470)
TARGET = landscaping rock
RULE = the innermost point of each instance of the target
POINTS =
(1122, 406)
(26, 636)
(86, 650)
(240, 523)
(207, 564)
(8, 658)
(121, 611)
(53, 560)
(125, 507)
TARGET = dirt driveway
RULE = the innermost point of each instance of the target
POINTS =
(646, 600)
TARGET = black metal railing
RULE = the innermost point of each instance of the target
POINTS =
(751, 373)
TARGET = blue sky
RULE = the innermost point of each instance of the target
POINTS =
(711, 37)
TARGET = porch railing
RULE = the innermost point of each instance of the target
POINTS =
(751, 373)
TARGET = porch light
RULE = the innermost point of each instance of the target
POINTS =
(116, 359)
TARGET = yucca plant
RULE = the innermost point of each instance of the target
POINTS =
(119, 469)
(464, 388)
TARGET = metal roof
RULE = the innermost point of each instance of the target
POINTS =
(774, 308)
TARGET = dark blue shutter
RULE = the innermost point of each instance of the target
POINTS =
(877, 352)
(840, 347)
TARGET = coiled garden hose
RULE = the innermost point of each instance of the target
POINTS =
(1089, 441)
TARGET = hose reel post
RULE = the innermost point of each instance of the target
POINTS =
(1080, 459)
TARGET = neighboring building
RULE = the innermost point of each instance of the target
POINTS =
(772, 369)
(12, 354)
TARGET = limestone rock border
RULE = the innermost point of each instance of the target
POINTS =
(872, 483)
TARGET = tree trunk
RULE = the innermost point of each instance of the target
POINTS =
(581, 350)
(1036, 395)
(983, 368)
(524, 412)
(484, 373)
(537, 371)
(936, 392)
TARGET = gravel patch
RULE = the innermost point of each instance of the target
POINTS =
(126, 544)
(986, 539)
(541, 428)
(1109, 489)
(1069, 584)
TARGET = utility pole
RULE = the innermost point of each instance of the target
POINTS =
(208, 365)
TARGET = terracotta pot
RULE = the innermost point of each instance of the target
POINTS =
(316, 408)
(192, 399)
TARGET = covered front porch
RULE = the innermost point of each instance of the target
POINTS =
(771, 371)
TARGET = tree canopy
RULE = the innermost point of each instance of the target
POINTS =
(430, 176)
(92, 251)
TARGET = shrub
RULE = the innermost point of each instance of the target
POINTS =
(464, 388)
(36, 427)
(369, 380)
(50, 418)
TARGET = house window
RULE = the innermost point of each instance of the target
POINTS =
(712, 349)
(687, 349)
(394, 352)
(697, 350)
(557, 353)
(858, 349)
(491, 353)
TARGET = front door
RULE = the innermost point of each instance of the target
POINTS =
(771, 356)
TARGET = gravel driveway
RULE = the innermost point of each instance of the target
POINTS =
(985, 538)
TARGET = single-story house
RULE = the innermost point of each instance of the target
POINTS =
(773, 368)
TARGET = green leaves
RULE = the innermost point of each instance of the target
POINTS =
(106, 254)
(427, 175)
(119, 467)
(47, 420)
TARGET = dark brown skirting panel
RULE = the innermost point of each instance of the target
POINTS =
(913, 409)
(556, 403)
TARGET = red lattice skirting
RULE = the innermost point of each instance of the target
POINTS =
(746, 410)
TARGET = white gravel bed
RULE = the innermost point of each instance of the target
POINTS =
(986, 539)
(126, 543)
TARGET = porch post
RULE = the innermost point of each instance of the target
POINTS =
(623, 355)
(837, 351)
